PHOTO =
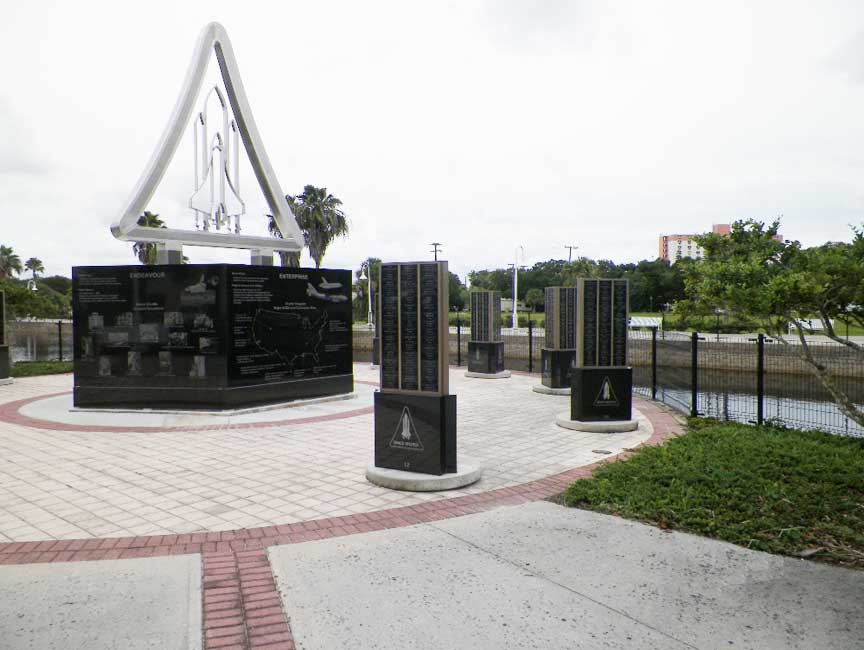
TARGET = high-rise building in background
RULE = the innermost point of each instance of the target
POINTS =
(674, 247)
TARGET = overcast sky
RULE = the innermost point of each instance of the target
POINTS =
(481, 125)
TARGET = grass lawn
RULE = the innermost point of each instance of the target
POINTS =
(784, 491)
(33, 368)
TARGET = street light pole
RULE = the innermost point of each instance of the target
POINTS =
(516, 282)
(570, 254)
(369, 291)
(366, 275)
(435, 248)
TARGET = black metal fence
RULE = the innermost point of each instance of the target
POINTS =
(39, 340)
(752, 379)
(739, 378)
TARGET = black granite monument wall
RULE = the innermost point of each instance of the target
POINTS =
(556, 366)
(376, 332)
(601, 394)
(209, 335)
(485, 316)
(486, 358)
(602, 323)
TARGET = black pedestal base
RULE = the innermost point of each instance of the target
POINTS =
(486, 357)
(210, 397)
(376, 350)
(5, 366)
(557, 365)
(601, 394)
(415, 433)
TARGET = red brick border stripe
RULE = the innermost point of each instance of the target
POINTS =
(241, 604)
(11, 412)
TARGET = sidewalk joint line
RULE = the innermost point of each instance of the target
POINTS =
(539, 575)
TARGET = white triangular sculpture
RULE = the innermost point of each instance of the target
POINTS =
(126, 227)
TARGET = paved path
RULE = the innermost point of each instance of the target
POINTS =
(535, 575)
(130, 604)
(544, 576)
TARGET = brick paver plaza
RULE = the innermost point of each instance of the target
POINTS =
(276, 467)
(101, 486)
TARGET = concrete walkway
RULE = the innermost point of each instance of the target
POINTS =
(536, 575)
(544, 576)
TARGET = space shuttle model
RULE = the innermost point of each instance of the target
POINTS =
(216, 200)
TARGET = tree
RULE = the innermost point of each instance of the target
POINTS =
(495, 280)
(655, 283)
(58, 283)
(34, 264)
(320, 218)
(10, 263)
(370, 268)
(21, 302)
(146, 251)
(750, 273)
(457, 292)
(287, 258)
(535, 298)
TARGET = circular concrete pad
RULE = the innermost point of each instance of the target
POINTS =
(605, 426)
(545, 390)
(504, 374)
(396, 479)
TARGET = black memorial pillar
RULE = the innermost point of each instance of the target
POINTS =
(558, 355)
(5, 363)
(415, 416)
(602, 383)
(485, 347)
(376, 332)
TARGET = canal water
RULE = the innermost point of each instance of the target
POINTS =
(798, 401)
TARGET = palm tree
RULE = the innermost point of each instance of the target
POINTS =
(10, 263)
(320, 219)
(286, 257)
(34, 264)
(145, 250)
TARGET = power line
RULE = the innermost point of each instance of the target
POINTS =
(436, 248)
(571, 249)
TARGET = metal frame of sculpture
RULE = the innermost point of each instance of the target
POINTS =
(126, 227)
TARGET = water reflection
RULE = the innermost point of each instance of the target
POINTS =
(798, 401)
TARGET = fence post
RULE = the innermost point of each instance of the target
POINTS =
(458, 339)
(59, 340)
(694, 374)
(653, 363)
(530, 345)
(760, 379)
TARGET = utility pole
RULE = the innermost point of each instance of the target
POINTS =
(570, 255)
(435, 248)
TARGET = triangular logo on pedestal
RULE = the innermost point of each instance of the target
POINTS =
(213, 37)
(405, 437)
(606, 396)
